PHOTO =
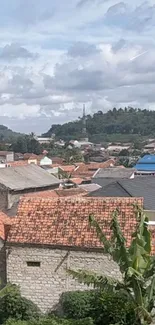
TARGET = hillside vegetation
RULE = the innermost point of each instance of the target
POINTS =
(126, 124)
(6, 134)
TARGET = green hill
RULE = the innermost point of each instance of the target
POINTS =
(128, 124)
(7, 135)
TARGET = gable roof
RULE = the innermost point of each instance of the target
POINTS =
(67, 168)
(64, 222)
(143, 186)
(88, 170)
(24, 177)
(114, 172)
(112, 189)
(146, 163)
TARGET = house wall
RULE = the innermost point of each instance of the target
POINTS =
(10, 157)
(45, 284)
(32, 161)
(2, 264)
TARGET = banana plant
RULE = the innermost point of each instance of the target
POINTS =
(136, 264)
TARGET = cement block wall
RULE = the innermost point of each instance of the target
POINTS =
(45, 284)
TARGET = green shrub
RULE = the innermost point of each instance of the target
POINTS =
(51, 321)
(114, 308)
(12, 305)
(104, 308)
(78, 304)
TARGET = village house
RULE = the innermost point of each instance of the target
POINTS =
(16, 181)
(6, 156)
(50, 235)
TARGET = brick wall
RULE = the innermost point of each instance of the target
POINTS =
(45, 284)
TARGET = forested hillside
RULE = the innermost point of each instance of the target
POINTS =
(7, 134)
(129, 122)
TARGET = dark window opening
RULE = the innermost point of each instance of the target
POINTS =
(33, 264)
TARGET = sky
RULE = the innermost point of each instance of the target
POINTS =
(57, 55)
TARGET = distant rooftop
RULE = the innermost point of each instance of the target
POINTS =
(147, 163)
(114, 172)
(24, 177)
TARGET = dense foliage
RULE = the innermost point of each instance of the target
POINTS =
(6, 134)
(135, 262)
(104, 308)
(128, 121)
(27, 143)
(13, 305)
(51, 321)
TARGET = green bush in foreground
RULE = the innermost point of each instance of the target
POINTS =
(13, 305)
(78, 304)
(104, 308)
(51, 321)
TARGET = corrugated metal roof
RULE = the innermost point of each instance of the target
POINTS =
(145, 167)
(147, 159)
(114, 172)
(24, 177)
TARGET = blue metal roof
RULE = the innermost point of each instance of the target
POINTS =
(147, 159)
(145, 167)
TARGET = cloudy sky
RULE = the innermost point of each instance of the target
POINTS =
(56, 55)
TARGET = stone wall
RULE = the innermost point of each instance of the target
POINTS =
(2, 264)
(45, 284)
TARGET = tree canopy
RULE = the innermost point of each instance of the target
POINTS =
(127, 121)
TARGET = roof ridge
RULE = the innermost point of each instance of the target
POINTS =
(124, 188)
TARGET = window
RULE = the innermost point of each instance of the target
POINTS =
(33, 264)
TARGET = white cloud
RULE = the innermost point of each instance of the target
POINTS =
(84, 53)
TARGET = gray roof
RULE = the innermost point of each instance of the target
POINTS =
(114, 172)
(111, 190)
(25, 177)
(143, 186)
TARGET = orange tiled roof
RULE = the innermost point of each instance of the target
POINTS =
(77, 180)
(18, 163)
(42, 194)
(64, 222)
(28, 156)
(4, 222)
(58, 193)
(88, 170)
(67, 168)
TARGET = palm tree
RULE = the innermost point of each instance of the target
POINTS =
(136, 265)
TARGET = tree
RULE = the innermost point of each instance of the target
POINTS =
(25, 144)
(135, 262)
(124, 152)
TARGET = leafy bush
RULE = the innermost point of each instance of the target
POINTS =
(114, 308)
(13, 305)
(104, 308)
(51, 321)
(78, 304)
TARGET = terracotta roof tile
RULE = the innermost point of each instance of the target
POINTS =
(67, 168)
(77, 180)
(18, 163)
(42, 194)
(57, 193)
(64, 222)
(88, 170)
(5, 222)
